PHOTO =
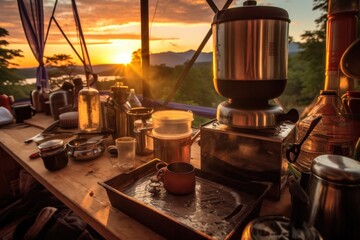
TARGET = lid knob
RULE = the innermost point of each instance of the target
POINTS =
(249, 3)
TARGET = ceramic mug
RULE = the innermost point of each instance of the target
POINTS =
(178, 177)
(23, 112)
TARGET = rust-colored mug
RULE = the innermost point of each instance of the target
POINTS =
(178, 177)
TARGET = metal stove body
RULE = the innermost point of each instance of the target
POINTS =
(247, 155)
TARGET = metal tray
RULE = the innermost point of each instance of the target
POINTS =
(218, 209)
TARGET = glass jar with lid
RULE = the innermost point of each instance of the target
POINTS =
(89, 110)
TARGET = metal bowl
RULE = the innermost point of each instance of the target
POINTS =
(85, 149)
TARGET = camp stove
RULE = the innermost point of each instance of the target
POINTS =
(247, 155)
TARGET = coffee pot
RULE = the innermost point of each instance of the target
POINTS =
(334, 193)
(281, 227)
(115, 111)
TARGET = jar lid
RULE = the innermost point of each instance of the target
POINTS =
(140, 111)
(52, 152)
(50, 145)
(336, 169)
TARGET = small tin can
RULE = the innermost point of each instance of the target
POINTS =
(54, 154)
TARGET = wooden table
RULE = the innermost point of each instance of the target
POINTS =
(77, 184)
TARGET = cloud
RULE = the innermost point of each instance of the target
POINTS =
(95, 14)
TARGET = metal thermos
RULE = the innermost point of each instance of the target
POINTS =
(119, 108)
(59, 99)
(35, 99)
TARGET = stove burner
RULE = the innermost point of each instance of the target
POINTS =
(263, 131)
(260, 116)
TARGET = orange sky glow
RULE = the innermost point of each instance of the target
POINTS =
(112, 28)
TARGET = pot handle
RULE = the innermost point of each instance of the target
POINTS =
(193, 138)
(292, 153)
(292, 116)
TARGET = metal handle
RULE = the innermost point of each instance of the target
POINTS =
(292, 153)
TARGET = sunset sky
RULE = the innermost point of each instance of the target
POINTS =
(112, 27)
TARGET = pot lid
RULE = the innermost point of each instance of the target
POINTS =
(172, 116)
(336, 169)
(248, 12)
(140, 111)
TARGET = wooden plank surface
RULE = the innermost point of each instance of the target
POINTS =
(39, 120)
(77, 186)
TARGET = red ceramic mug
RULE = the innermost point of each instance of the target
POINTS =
(178, 177)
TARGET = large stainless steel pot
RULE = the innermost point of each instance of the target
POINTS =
(334, 192)
(250, 52)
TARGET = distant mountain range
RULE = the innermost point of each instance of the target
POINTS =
(294, 47)
(170, 59)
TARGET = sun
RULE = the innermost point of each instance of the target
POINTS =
(123, 58)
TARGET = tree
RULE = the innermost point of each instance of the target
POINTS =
(60, 65)
(307, 68)
(136, 57)
(7, 74)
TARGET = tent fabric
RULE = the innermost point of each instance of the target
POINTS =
(32, 18)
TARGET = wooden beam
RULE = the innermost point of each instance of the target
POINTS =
(145, 49)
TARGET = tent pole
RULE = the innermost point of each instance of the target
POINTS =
(145, 55)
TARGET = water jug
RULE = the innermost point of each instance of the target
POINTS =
(332, 135)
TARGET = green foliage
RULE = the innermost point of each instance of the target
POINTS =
(7, 74)
(196, 89)
(305, 76)
(60, 68)
(162, 81)
(17, 90)
(306, 72)
(105, 86)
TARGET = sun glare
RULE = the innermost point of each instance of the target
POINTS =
(122, 58)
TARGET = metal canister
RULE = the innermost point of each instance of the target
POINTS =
(143, 136)
(137, 113)
(173, 150)
(57, 100)
(250, 51)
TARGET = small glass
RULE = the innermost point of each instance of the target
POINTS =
(125, 147)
